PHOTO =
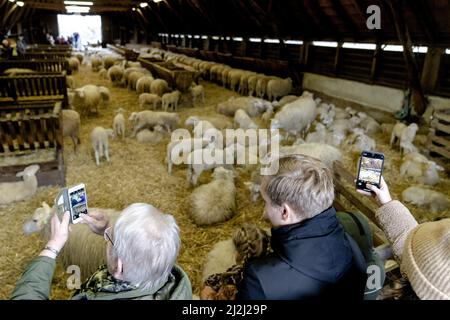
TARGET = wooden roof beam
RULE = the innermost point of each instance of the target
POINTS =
(424, 16)
(315, 11)
(346, 18)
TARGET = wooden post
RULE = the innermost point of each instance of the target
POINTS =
(337, 58)
(431, 66)
(375, 60)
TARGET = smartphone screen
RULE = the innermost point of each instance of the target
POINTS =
(78, 202)
(370, 169)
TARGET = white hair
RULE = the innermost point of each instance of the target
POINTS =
(147, 241)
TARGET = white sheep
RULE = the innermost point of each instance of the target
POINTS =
(149, 119)
(221, 257)
(71, 126)
(159, 87)
(148, 136)
(84, 248)
(103, 73)
(86, 98)
(243, 121)
(143, 84)
(197, 91)
(278, 88)
(96, 63)
(171, 100)
(253, 106)
(74, 64)
(417, 167)
(403, 133)
(70, 82)
(324, 152)
(109, 61)
(182, 148)
(129, 71)
(115, 74)
(254, 185)
(295, 117)
(79, 56)
(214, 202)
(430, 199)
(287, 99)
(358, 141)
(133, 79)
(218, 121)
(119, 123)
(100, 143)
(149, 99)
(267, 115)
(318, 136)
(369, 124)
(104, 93)
(21, 190)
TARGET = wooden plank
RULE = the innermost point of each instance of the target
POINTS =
(442, 116)
(441, 140)
(442, 151)
(437, 125)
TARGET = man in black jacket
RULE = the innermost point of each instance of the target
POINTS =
(313, 258)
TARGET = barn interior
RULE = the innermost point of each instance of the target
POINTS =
(383, 60)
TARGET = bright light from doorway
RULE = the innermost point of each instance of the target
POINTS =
(77, 9)
(20, 3)
(79, 3)
(353, 45)
(89, 27)
(331, 44)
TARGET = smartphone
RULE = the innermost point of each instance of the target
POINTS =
(370, 170)
(74, 200)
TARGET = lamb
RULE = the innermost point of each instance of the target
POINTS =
(295, 117)
(287, 99)
(149, 98)
(104, 93)
(386, 128)
(326, 153)
(83, 248)
(369, 124)
(317, 136)
(218, 121)
(99, 140)
(159, 87)
(171, 99)
(243, 121)
(200, 126)
(21, 190)
(143, 84)
(197, 91)
(359, 142)
(183, 148)
(148, 136)
(103, 74)
(74, 64)
(278, 88)
(149, 119)
(417, 167)
(422, 197)
(119, 123)
(403, 133)
(214, 202)
(71, 126)
(96, 63)
(115, 74)
(86, 98)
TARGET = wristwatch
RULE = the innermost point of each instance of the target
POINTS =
(52, 250)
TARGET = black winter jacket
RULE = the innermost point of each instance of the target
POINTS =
(313, 259)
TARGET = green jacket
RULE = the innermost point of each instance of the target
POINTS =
(35, 284)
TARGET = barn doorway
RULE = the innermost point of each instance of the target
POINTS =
(89, 27)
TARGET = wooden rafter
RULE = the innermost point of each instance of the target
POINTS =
(315, 11)
(343, 15)
(424, 18)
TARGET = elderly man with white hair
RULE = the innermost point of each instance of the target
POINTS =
(142, 249)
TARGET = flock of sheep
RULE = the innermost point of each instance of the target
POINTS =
(307, 125)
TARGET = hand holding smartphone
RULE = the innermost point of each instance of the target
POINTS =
(74, 200)
(370, 170)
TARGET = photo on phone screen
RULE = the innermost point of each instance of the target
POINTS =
(370, 169)
(78, 202)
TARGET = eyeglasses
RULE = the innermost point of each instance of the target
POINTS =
(107, 236)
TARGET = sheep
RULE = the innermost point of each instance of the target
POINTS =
(159, 87)
(70, 82)
(74, 64)
(317, 136)
(200, 126)
(252, 81)
(103, 74)
(148, 136)
(287, 99)
(253, 106)
(84, 248)
(99, 140)
(218, 157)
(243, 83)
(403, 133)
(362, 142)
(183, 148)
(295, 117)
(171, 99)
(20, 190)
(386, 128)
(254, 185)
(221, 257)
(197, 91)
(422, 197)
(96, 63)
(115, 74)
(71, 126)
(261, 86)
(109, 61)
(369, 124)
(149, 98)
(278, 88)
(214, 202)
(143, 84)
(119, 123)
(86, 98)
(218, 121)
(104, 93)
(267, 115)
(149, 119)
(326, 153)
(243, 121)
(131, 64)
(129, 71)
(417, 167)
(79, 56)
(133, 79)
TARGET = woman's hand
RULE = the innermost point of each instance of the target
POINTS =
(381, 194)
(96, 220)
